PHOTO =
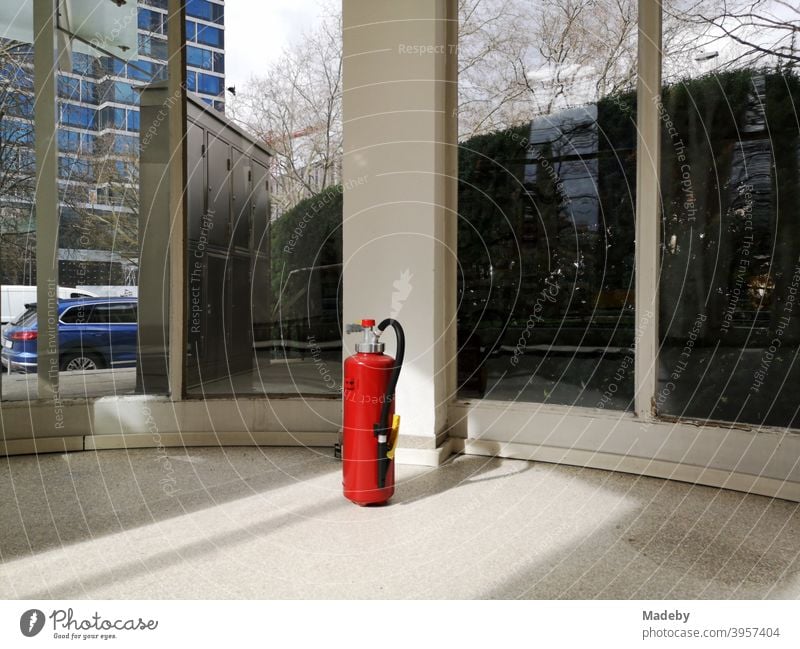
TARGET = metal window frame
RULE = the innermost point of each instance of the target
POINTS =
(648, 206)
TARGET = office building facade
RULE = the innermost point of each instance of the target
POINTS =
(98, 142)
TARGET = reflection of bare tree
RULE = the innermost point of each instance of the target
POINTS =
(17, 164)
(755, 32)
(489, 53)
(17, 167)
(516, 58)
(520, 59)
(295, 107)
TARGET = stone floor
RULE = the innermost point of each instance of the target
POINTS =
(271, 523)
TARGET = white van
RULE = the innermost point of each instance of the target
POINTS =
(14, 297)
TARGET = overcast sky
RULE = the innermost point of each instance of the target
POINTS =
(256, 32)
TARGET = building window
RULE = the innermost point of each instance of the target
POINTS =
(199, 58)
(70, 141)
(209, 85)
(152, 21)
(74, 168)
(133, 120)
(152, 46)
(111, 117)
(142, 71)
(88, 92)
(158, 4)
(205, 10)
(219, 62)
(69, 87)
(210, 36)
(125, 144)
(81, 116)
(122, 92)
(199, 9)
(546, 231)
(82, 64)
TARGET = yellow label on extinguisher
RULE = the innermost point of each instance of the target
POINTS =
(394, 436)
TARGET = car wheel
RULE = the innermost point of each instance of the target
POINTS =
(80, 361)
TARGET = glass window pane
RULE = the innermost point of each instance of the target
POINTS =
(217, 13)
(219, 62)
(77, 315)
(199, 9)
(210, 35)
(98, 247)
(69, 87)
(133, 120)
(151, 21)
(198, 57)
(546, 199)
(730, 269)
(88, 92)
(209, 85)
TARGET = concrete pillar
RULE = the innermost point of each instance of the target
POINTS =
(400, 174)
(46, 151)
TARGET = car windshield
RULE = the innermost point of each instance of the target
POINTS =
(27, 319)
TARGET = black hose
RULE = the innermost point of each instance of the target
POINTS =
(384, 426)
(398, 364)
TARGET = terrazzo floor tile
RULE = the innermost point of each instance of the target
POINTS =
(272, 523)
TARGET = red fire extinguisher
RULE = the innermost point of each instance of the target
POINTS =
(370, 427)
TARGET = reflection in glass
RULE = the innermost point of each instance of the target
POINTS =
(263, 297)
(730, 321)
(306, 312)
(546, 258)
(99, 251)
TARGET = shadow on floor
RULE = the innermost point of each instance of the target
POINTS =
(468, 470)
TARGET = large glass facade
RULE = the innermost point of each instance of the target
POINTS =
(546, 202)
(547, 179)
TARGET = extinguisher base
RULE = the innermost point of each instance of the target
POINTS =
(370, 498)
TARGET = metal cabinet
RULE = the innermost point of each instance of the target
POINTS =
(227, 246)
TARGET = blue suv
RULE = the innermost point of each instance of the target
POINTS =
(93, 333)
